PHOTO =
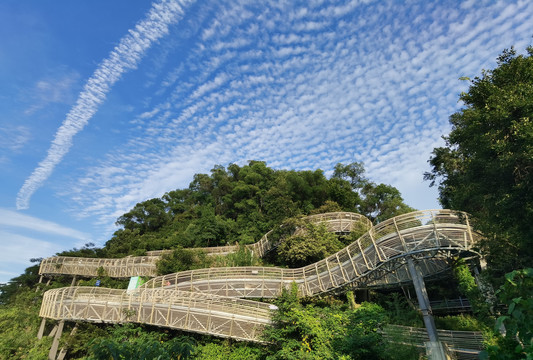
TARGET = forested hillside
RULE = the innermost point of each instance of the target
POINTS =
(230, 205)
(485, 168)
(240, 204)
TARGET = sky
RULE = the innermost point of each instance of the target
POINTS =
(108, 103)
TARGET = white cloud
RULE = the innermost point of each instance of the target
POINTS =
(377, 86)
(17, 250)
(13, 138)
(125, 56)
(56, 88)
(20, 249)
(14, 219)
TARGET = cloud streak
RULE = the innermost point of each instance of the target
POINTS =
(125, 56)
(303, 85)
(13, 219)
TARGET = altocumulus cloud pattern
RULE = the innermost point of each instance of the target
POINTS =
(300, 85)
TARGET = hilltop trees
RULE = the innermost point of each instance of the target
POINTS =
(240, 204)
(486, 167)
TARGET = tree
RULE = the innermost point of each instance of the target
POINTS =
(308, 244)
(149, 215)
(517, 294)
(382, 202)
(354, 173)
(486, 167)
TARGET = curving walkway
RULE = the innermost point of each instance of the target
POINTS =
(208, 300)
(339, 222)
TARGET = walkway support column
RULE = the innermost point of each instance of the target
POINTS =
(55, 343)
(41, 329)
(436, 352)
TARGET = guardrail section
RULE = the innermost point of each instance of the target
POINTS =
(206, 300)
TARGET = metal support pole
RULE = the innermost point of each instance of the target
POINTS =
(425, 308)
(73, 283)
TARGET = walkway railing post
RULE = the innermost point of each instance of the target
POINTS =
(437, 352)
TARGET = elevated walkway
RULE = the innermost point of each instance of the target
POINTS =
(338, 222)
(207, 300)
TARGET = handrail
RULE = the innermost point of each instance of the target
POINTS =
(377, 258)
(462, 343)
(146, 265)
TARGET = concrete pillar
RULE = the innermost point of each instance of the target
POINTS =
(41, 329)
(63, 351)
(53, 332)
(55, 343)
(423, 301)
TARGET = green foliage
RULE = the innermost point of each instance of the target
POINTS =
(382, 202)
(400, 311)
(486, 167)
(242, 257)
(149, 215)
(363, 340)
(331, 331)
(240, 204)
(353, 173)
(461, 322)
(329, 206)
(88, 250)
(468, 287)
(517, 294)
(309, 244)
(183, 259)
(188, 259)
(227, 351)
(19, 284)
(129, 341)
(19, 321)
(304, 332)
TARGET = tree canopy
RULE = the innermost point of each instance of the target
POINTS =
(240, 204)
(486, 166)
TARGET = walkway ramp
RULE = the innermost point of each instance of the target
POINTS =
(208, 300)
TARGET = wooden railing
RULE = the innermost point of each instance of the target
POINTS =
(376, 259)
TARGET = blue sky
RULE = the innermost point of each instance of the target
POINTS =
(105, 104)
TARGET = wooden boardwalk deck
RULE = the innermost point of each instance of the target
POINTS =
(208, 300)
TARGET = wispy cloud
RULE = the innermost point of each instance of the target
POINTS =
(56, 88)
(20, 249)
(13, 219)
(13, 138)
(17, 250)
(304, 85)
(124, 57)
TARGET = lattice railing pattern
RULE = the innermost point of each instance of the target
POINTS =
(339, 222)
(203, 313)
(205, 301)
(463, 344)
